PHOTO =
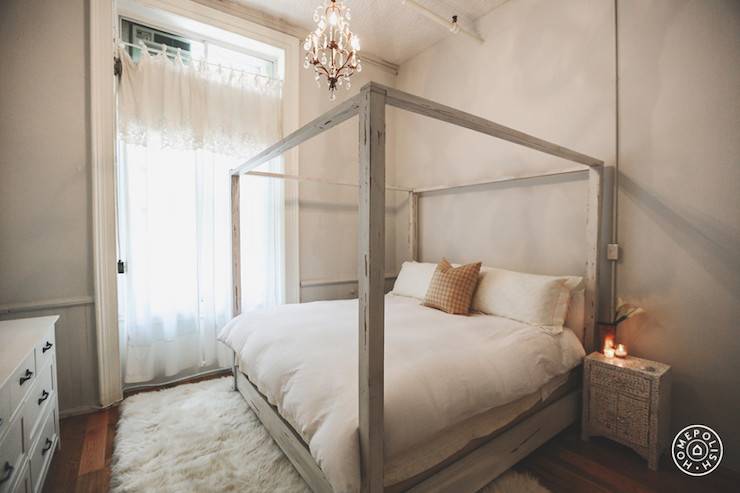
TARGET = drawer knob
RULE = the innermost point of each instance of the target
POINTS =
(7, 472)
(46, 347)
(47, 447)
(44, 396)
(26, 377)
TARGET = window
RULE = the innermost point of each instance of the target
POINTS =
(154, 39)
(173, 199)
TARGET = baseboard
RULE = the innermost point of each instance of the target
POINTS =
(136, 388)
(78, 411)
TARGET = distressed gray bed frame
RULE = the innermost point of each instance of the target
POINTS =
(480, 466)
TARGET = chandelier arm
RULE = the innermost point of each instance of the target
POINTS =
(346, 61)
(322, 67)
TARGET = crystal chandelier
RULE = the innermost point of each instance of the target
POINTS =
(332, 48)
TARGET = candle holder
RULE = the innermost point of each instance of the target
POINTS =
(621, 351)
(609, 352)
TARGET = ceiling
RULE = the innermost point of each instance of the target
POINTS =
(386, 28)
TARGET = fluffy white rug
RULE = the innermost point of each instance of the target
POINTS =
(203, 438)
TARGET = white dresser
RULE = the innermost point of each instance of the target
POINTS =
(29, 416)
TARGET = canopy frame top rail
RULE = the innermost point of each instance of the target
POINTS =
(415, 104)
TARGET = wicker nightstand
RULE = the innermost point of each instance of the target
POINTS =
(628, 401)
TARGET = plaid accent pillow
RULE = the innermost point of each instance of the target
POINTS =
(451, 289)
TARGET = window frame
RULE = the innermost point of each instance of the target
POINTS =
(196, 21)
(103, 32)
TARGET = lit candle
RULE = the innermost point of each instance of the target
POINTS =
(621, 351)
(609, 352)
(609, 341)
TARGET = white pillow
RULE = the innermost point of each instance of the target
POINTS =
(414, 279)
(537, 300)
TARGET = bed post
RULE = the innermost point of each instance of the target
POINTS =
(371, 267)
(236, 278)
(413, 226)
(593, 250)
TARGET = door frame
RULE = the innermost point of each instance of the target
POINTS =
(103, 171)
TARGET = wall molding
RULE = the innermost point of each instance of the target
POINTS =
(33, 306)
(102, 160)
(310, 283)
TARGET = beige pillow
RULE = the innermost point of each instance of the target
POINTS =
(451, 289)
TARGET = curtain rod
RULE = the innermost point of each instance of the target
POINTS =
(190, 56)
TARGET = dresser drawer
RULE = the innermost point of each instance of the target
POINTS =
(5, 409)
(23, 481)
(43, 449)
(39, 399)
(22, 380)
(45, 349)
(620, 381)
(10, 456)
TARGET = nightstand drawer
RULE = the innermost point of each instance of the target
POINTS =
(632, 420)
(620, 381)
(603, 409)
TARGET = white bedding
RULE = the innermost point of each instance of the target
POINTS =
(440, 369)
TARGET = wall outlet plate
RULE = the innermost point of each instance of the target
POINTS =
(612, 251)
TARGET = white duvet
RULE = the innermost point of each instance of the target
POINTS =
(440, 369)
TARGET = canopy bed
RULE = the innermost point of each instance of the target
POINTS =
(282, 397)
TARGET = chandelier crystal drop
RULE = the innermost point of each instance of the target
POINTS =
(332, 48)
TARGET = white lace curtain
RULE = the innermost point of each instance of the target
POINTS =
(182, 127)
(197, 105)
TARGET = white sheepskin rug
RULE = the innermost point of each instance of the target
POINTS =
(203, 437)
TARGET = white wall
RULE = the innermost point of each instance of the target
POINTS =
(45, 245)
(328, 214)
(547, 68)
(45, 249)
(679, 207)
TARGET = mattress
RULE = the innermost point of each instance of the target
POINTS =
(443, 375)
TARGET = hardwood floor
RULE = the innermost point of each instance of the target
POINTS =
(568, 464)
(565, 464)
(83, 462)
